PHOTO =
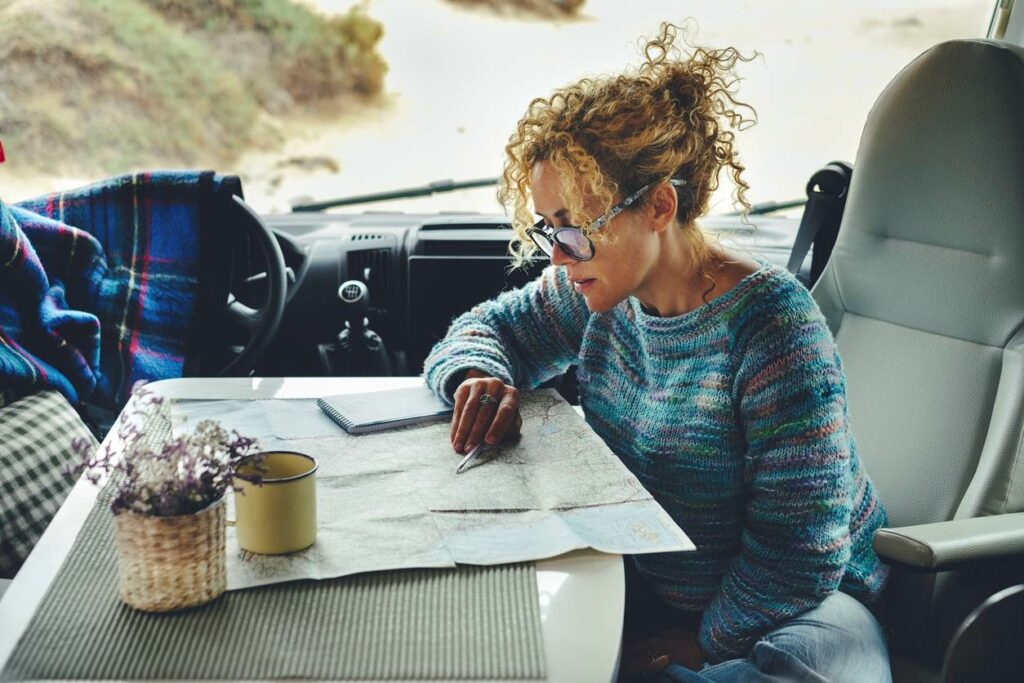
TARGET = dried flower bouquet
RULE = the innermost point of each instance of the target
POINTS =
(168, 504)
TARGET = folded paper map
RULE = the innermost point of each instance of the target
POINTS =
(392, 500)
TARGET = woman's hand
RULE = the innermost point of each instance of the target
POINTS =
(491, 421)
(649, 657)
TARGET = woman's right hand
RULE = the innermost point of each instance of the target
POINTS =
(492, 421)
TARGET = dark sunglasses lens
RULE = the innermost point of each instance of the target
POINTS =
(542, 242)
(574, 243)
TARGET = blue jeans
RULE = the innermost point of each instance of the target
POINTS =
(838, 641)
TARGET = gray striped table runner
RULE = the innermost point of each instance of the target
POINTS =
(466, 623)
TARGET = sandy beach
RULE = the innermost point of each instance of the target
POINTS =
(459, 80)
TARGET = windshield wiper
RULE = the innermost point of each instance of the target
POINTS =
(421, 191)
(439, 186)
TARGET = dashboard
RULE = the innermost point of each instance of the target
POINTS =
(421, 271)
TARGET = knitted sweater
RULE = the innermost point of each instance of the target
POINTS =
(733, 416)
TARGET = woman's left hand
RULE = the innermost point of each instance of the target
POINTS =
(649, 657)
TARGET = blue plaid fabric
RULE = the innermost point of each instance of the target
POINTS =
(99, 285)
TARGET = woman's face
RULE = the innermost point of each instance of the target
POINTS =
(619, 267)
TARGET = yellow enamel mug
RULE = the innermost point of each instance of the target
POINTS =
(279, 515)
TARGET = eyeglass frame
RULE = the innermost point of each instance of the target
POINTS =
(550, 233)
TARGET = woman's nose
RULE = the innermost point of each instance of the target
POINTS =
(559, 257)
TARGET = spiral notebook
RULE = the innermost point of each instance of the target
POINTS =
(379, 410)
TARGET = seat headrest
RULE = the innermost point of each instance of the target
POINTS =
(933, 234)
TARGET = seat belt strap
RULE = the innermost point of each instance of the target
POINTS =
(826, 192)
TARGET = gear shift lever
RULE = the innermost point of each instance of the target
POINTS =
(359, 350)
(355, 303)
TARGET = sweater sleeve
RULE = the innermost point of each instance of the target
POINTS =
(523, 337)
(795, 544)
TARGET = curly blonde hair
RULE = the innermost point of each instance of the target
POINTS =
(673, 117)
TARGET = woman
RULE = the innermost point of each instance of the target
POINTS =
(712, 375)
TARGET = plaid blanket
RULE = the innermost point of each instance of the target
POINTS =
(100, 286)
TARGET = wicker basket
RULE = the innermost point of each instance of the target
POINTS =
(170, 563)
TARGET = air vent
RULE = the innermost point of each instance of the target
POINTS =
(381, 282)
(362, 237)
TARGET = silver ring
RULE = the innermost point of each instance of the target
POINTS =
(487, 399)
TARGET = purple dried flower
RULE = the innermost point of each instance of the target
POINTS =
(182, 476)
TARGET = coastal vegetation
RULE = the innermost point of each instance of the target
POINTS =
(98, 86)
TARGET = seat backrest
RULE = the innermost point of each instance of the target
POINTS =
(924, 291)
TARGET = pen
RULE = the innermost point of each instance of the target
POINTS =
(470, 457)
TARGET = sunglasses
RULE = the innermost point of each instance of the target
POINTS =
(570, 238)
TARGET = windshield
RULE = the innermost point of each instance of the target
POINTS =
(454, 78)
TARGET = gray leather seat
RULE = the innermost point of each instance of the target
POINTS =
(924, 293)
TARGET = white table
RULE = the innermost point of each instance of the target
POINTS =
(581, 593)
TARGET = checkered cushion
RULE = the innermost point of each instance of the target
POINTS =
(35, 444)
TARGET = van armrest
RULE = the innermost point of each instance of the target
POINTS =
(935, 547)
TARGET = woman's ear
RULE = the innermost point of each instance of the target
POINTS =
(663, 203)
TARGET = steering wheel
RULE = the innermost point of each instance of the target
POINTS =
(259, 324)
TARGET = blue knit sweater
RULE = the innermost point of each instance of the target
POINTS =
(733, 416)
